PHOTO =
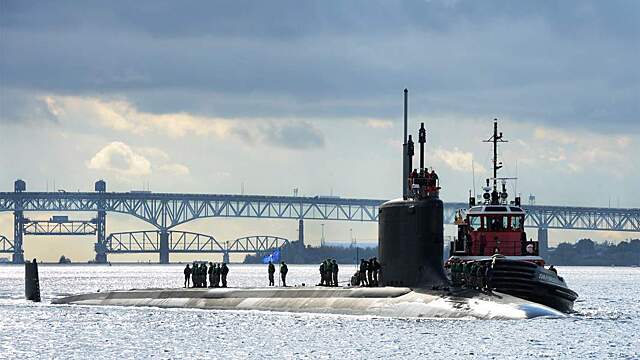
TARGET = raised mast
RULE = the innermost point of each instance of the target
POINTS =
(405, 161)
(495, 139)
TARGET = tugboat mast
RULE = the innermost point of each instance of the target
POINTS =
(495, 139)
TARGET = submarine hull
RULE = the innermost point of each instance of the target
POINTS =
(410, 243)
(382, 301)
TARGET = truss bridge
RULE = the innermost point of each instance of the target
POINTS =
(164, 211)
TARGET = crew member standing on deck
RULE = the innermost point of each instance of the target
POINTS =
(376, 271)
(322, 274)
(210, 271)
(187, 276)
(283, 273)
(370, 272)
(224, 271)
(363, 273)
(272, 271)
(334, 272)
(217, 273)
(195, 275)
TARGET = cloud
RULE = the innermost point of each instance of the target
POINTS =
(335, 59)
(379, 124)
(174, 169)
(127, 163)
(294, 135)
(554, 135)
(19, 107)
(458, 160)
(121, 115)
(119, 158)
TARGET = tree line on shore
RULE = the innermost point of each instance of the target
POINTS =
(583, 252)
(588, 252)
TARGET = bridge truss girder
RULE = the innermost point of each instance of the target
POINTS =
(165, 211)
(256, 244)
(136, 242)
(44, 227)
(6, 245)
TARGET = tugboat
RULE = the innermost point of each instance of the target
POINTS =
(491, 251)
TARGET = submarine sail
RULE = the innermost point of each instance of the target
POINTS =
(410, 229)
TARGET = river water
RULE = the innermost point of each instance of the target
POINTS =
(606, 324)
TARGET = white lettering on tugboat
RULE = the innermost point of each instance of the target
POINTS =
(547, 278)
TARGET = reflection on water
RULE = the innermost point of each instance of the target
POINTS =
(605, 325)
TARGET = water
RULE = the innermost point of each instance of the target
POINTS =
(606, 324)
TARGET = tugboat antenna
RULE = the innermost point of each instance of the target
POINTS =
(495, 139)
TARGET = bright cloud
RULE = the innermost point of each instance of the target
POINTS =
(126, 162)
(118, 157)
(123, 116)
(458, 160)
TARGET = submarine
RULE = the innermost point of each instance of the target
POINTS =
(413, 282)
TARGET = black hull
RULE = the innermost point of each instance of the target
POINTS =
(531, 282)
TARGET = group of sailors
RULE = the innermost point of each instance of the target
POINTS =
(472, 274)
(368, 273)
(423, 182)
(198, 275)
(284, 270)
(329, 273)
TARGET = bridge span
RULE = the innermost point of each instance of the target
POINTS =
(166, 210)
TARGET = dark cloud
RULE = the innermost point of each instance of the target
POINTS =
(295, 135)
(568, 63)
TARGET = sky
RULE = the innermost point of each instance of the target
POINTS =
(216, 97)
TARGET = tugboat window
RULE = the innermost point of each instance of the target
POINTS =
(474, 221)
(516, 223)
(497, 223)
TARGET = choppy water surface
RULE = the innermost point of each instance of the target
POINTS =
(606, 325)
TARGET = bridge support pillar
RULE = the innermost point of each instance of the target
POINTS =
(543, 242)
(101, 243)
(18, 230)
(301, 233)
(164, 246)
(225, 257)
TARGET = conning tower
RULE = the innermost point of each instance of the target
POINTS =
(410, 229)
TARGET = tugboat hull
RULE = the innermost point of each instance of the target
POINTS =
(531, 282)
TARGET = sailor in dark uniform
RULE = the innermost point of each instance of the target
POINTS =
(376, 271)
(210, 272)
(363, 273)
(334, 272)
(272, 271)
(283, 273)
(187, 276)
(323, 276)
(224, 271)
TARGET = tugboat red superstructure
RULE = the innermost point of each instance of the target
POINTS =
(492, 252)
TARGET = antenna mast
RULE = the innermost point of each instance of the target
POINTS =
(473, 177)
(405, 145)
(495, 139)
